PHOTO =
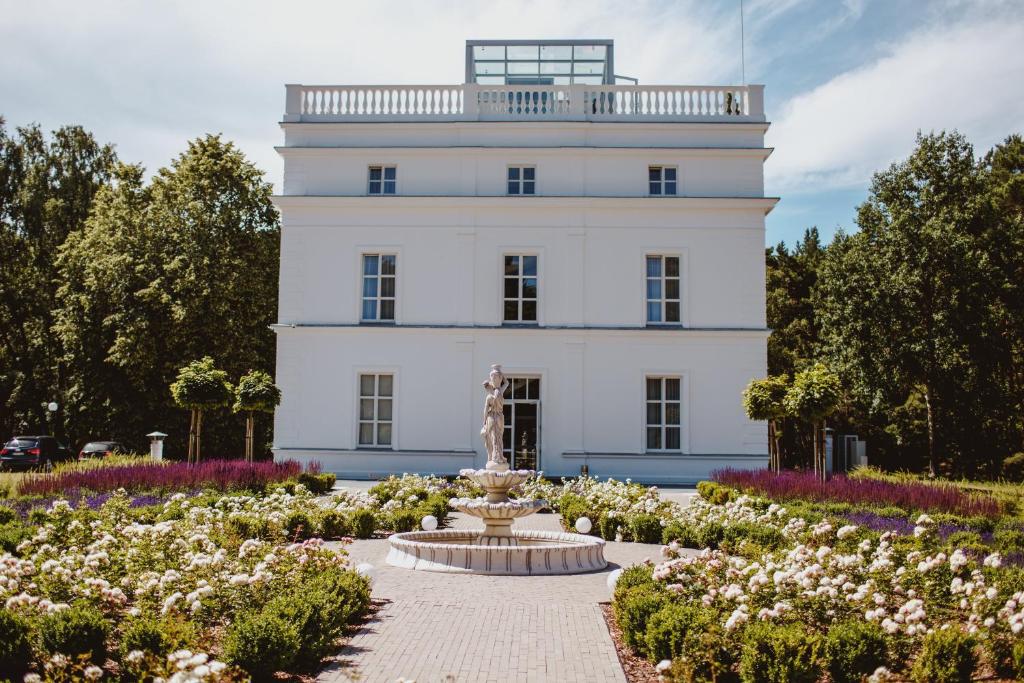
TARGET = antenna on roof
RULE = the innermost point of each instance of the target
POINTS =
(743, 50)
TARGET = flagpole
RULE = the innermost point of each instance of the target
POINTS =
(743, 48)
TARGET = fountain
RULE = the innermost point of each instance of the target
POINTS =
(497, 549)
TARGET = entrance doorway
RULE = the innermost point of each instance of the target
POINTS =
(522, 423)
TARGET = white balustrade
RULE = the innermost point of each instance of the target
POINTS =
(472, 102)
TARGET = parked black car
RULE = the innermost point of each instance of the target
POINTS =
(33, 452)
(101, 449)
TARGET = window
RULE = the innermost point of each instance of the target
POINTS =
(382, 179)
(522, 179)
(379, 287)
(520, 288)
(663, 290)
(376, 412)
(661, 180)
(664, 411)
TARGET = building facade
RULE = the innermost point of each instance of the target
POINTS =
(603, 242)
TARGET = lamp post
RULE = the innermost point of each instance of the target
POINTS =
(51, 408)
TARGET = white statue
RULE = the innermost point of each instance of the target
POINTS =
(493, 430)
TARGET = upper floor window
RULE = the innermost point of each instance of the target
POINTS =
(664, 413)
(520, 288)
(379, 273)
(661, 180)
(663, 290)
(383, 179)
(376, 409)
(522, 179)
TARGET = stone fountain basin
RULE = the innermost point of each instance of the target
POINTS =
(513, 509)
(537, 553)
(497, 479)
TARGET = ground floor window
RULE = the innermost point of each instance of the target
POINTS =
(376, 412)
(664, 411)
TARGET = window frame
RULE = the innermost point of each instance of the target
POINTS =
(662, 182)
(382, 181)
(358, 420)
(379, 278)
(520, 278)
(664, 299)
(663, 426)
(520, 180)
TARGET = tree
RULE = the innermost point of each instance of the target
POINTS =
(791, 277)
(46, 191)
(764, 400)
(200, 386)
(163, 273)
(256, 391)
(903, 303)
(814, 395)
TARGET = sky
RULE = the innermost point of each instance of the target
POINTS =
(848, 82)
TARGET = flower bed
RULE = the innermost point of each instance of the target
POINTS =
(222, 475)
(122, 589)
(792, 485)
(776, 596)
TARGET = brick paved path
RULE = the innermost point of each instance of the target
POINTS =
(438, 627)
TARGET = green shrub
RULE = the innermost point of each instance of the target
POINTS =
(763, 535)
(608, 527)
(632, 611)
(854, 649)
(715, 493)
(78, 630)
(15, 644)
(404, 520)
(7, 514)
(262, 644)
(967, 540)
(891, 511)
(12, 534)
(637, 575)
(645, 528)
(246, 527)
(297, 526)
(947, 656)
(1017, 660)
(333, 524)
(317, 483)
(1000, 651)
(710, 535)
(685, 534)
(144, 633)
(780, 654)
(572, 507)
(363, 523)
(675, 629)
(1013, 467)
(437, 505)
(1008, 540)
(38, 516)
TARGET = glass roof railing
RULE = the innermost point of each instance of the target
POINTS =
(540, 62)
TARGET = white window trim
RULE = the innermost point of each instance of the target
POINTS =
(388, 250)
(541, 279)
(647, 187)
(381, 167)
(531, 372)
(395, 416)
(684, 410)
(521, 193)
(683, 290)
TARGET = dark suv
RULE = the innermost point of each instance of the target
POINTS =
(33, 452)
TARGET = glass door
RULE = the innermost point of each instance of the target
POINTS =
(522, 423)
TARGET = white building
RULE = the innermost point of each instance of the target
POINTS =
(603, 242)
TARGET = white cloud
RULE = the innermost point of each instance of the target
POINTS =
(967, 77)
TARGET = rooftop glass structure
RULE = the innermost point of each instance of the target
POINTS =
(540, 62)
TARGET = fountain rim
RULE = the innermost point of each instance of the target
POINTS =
(562, 539)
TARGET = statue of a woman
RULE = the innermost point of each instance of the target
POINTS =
(493, 430)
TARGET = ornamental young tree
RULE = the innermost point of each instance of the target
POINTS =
(815, 395)
(255, 391)
(765, 400)
(200, 386)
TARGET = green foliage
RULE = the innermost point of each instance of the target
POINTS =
(297, 526)
(947, 656)
(764, 399)
(78, 630)
(256, 391)
(780, 654)
(200, 385)
(637, 575)
(644, 528)
(15, 644)
(156, 636)
(1009, 540)
(674, 630)
(791, 275)
(684, 534)
(333, 524)
(633, 608)
(317, 483)
(262, 643)
(7, 514)
(1013, 467)
(608, 527)
(12, 534)
(814, 394)
(715, 493)
(572, 507)
(403, 520)
(854, 649)
(363, 523)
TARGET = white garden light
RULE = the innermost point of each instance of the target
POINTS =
(613, 579)
(584, 525)
(429, 523)
(366, 569)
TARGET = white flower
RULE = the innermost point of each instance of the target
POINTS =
(93, 673)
